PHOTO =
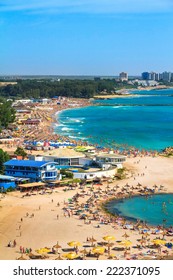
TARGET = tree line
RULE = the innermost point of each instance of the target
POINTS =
(69, 88)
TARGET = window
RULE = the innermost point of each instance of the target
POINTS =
(75, 161)
(22, 168)
(28, 168)
(16, 167)
(34, 168)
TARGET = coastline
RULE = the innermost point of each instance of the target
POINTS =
(113, 96)
(130, 92)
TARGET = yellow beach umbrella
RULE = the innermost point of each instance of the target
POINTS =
(159, 242)
(125, 243)
(71, 256)
(43, 250)
(98, 250)
(111, 256)
(74, 244)
(109, 238)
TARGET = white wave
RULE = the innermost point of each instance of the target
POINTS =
(61, 125)
(78, 120)
(75, 137)
(66, 129)
(121, 107)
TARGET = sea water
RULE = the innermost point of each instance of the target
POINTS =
(141, 207)
(144, 121)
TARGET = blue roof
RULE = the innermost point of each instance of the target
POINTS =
(28, 163)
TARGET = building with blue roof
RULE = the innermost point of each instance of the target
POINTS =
(6, 182)
(35, 171)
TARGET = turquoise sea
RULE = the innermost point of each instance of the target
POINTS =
(161, 207)
(144, 121)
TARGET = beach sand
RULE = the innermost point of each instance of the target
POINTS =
(45, 229)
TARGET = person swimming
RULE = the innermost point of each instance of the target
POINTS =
(164, 205)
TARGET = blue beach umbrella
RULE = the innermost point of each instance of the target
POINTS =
(169, 245)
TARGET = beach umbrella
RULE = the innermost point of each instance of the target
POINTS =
(125, 243)
(98, 250)
(21, 258)
(92, 240)
(109, 238)
(57, 246)
(71, 256)
(112, 256)
(169, 245)
(74, 244)
(142, 241)
(84, 252)
(159, 242)
(43, 250)
(125, 235)
(59, 258)
(109, 245)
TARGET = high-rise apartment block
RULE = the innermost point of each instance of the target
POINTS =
(165, 76)
(123, 76)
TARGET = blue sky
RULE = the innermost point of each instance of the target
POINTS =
(86, 37)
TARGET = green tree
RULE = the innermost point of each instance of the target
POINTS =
(20, 152)
(7, 113)
(66, 173)
(3, 158)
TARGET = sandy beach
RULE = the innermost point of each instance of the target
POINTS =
(39, 220)
(47, 114)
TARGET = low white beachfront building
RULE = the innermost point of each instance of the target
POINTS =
(107, 160)
(82, 166)
(92, 173)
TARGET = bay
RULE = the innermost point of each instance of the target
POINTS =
(140, 208)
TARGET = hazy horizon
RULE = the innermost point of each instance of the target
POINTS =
(84, 38)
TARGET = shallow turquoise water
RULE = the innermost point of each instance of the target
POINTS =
(156, 210)
(144, 121)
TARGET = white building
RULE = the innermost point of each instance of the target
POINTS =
(123, 76)
(107, 160)
(166, 76)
